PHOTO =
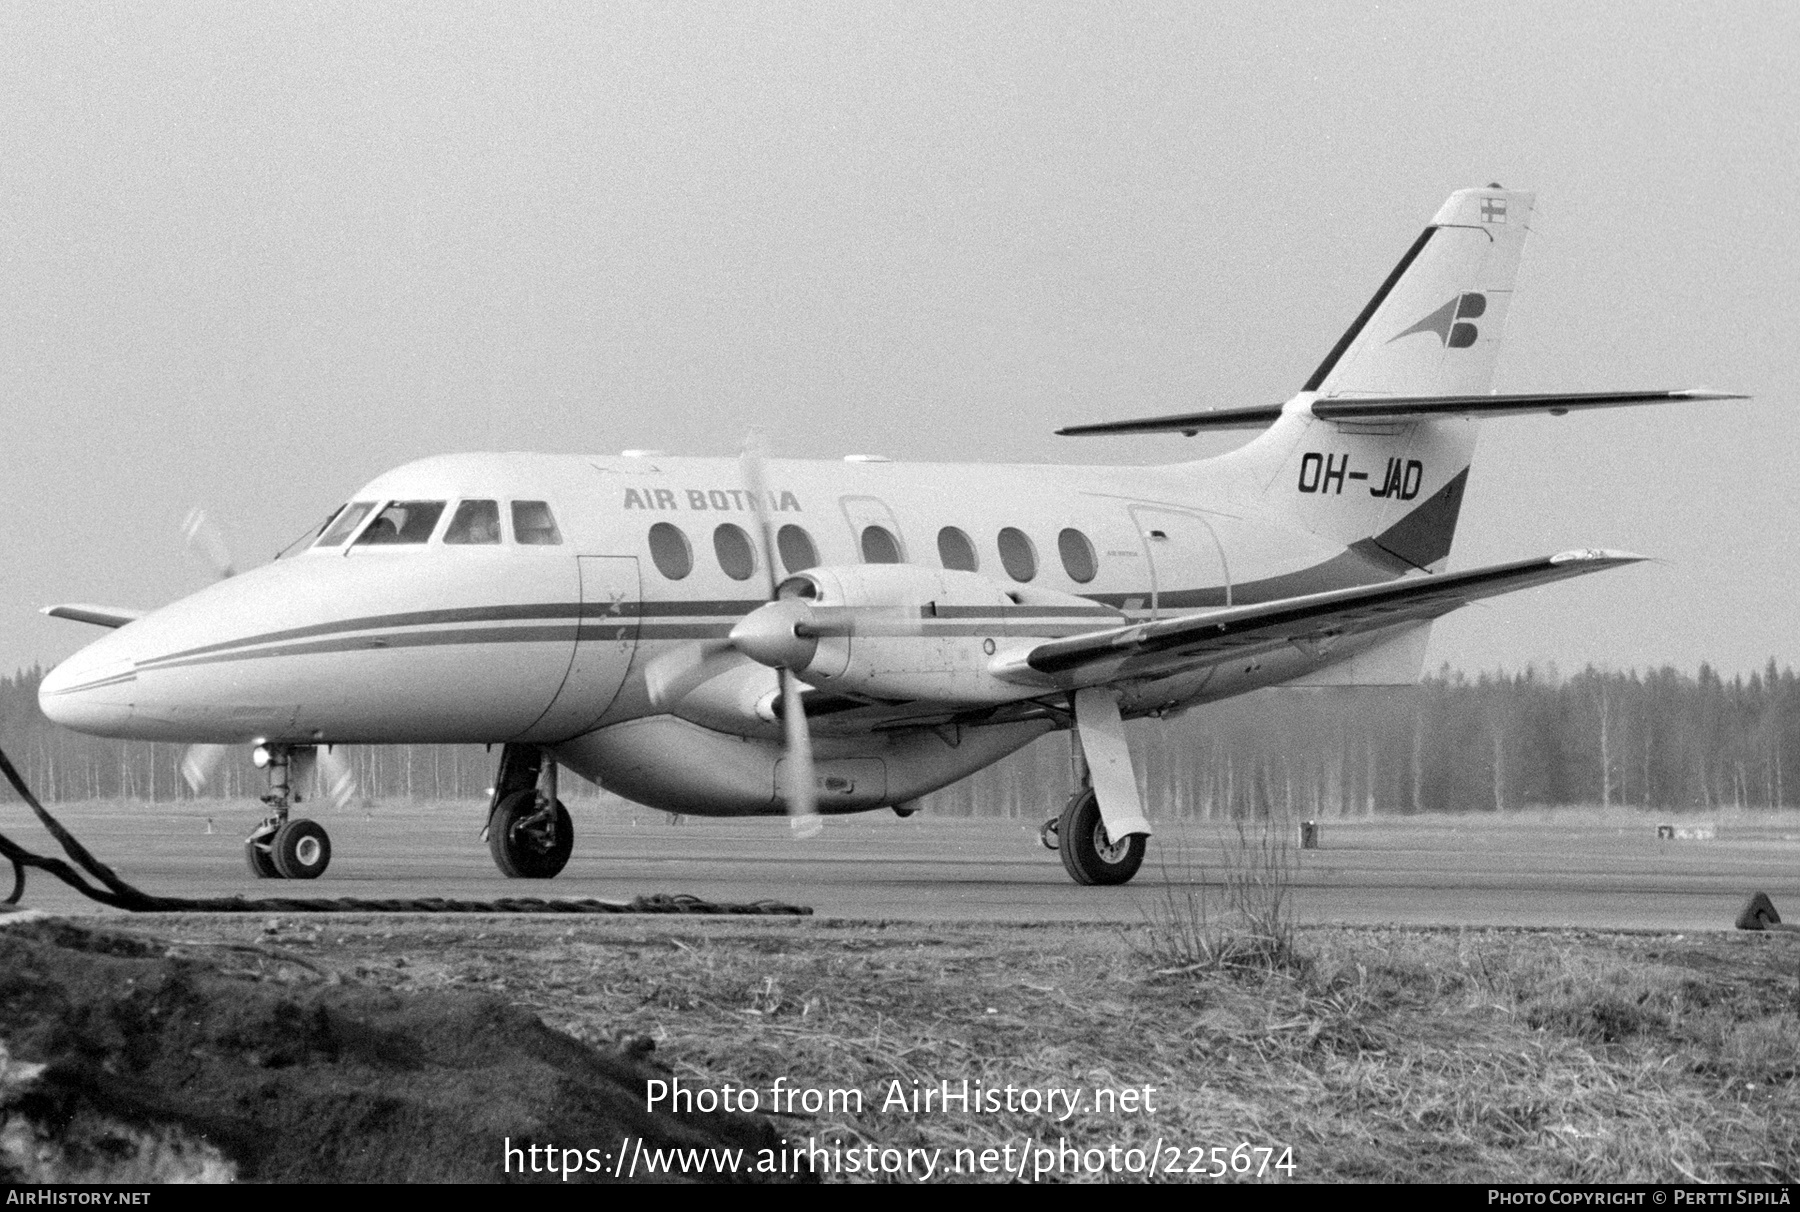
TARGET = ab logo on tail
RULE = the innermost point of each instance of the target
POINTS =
(1450, 322)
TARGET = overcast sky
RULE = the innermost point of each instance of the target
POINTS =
(251, 256)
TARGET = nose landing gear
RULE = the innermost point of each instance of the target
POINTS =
(529, 832)
(283, 847)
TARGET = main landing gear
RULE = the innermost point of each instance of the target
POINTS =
(529, 832)
(1088, 854)
(1098, 755)
(284, 847)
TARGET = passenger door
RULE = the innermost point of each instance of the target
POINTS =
(605, 640)
(1187, 566)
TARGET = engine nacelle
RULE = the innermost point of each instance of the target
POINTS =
(903, 632)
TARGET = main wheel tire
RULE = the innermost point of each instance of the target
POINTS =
(301, 850)
(1087, 854)
(259, 860)
(528, 844)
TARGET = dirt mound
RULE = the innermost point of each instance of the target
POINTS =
(162, 1067)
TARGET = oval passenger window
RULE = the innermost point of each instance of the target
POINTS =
(669, 549)
(1017, 555)
(736, 556)
(1077, 555)
(879, 546)
(796, 548)
(956, 551)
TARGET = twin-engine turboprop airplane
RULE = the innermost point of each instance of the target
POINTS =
(729, 639)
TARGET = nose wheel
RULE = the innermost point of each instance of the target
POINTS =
(295, 849)
(284, 848)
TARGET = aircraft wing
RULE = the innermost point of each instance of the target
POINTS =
(1195, 641)
(100, 616)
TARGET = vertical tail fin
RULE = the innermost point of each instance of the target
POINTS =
(1394, 489)
(1434, 326)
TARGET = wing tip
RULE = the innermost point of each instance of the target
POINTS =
(1597, 555)
(100, 616)
(1707, 393)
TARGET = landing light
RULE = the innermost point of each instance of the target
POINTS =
(259, 757)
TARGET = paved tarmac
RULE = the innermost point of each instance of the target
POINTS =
(1560, 869)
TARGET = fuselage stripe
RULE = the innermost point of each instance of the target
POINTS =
(712, 618)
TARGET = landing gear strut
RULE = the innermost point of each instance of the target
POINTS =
(1100, 763)
(529, 832)
(283, 847)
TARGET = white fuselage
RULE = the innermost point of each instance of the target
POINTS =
(546, 643)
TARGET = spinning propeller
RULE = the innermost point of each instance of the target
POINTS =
(800, 787)
(207, 542)
(198, 765)
(758, 636)
(201, 762)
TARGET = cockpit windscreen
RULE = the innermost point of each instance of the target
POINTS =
(347, 520)
(474, 522)
(402, 522)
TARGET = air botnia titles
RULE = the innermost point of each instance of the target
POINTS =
(714, 500)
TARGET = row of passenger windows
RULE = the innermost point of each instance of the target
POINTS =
(474, 523)
(674, 555)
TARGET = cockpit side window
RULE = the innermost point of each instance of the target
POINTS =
(533, 526)
(402, 522)
(347, 519)
(474, 522)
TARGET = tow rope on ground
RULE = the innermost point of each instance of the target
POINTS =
(114, 891)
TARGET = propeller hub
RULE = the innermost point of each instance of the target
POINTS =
(769, 635)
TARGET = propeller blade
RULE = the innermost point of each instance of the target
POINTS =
(337, 785)
(756, 483)
(800, 787)
(205, 540)
(906, 619)
(199, 764)
(799, 784)
(335, 774)
(673, 675)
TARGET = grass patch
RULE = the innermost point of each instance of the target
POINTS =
(1245, 924)
(1387, 1055)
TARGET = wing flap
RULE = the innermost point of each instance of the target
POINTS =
(100, 616)
(1195, 641)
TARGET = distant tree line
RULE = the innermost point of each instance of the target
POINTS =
(1493, 743)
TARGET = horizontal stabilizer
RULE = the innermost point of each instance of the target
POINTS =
(1189, 423)
(100, 616)
(1413, 408)
(1400, 408)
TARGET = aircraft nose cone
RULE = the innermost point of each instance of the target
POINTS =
(91, 691)
(768, 635)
